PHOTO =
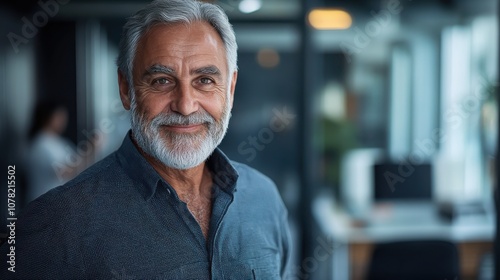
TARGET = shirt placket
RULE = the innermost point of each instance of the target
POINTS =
(188, 219)
(220, 206)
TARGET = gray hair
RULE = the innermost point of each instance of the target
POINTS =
(174, 11)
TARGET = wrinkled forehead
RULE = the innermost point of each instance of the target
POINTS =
(180, 40)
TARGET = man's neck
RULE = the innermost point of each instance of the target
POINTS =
(192, 182)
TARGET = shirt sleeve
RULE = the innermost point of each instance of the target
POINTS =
(286, 259)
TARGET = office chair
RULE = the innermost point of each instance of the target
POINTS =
(415, 260)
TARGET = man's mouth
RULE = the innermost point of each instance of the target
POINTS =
(180, 128)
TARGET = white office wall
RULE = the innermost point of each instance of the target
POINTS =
(400, 103)
(469, 55)
(18, 87)
(101, 113)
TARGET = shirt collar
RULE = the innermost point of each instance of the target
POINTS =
(139, 169)
(224, 175)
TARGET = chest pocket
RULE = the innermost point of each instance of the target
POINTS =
(265, 268)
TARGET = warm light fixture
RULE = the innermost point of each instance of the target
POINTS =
(268, 58)
(250, 6)
(329, 19)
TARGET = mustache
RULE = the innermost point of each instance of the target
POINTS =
(199, 117)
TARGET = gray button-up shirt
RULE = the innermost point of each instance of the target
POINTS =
(120, 220)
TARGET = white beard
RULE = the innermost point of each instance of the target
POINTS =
(179, 150)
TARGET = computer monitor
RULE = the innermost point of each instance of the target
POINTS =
(402, 181)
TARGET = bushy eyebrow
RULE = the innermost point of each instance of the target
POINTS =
(208, 70)
(158, 68)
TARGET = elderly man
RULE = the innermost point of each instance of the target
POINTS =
(168, 204)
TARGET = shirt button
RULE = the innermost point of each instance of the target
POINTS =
(168, 190)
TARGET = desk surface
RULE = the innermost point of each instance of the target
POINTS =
(400, 221)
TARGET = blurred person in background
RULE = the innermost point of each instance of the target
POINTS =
(51, 159)
(168, 204)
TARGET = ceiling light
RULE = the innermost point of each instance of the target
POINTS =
(329, 19)
(250, 6)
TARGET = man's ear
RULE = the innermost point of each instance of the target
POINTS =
(124, 90)
(233, 86)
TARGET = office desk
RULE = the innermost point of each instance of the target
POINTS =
(352, 242)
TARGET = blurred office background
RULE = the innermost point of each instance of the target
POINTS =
(377, 119)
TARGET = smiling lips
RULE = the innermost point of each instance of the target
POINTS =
(184, 128)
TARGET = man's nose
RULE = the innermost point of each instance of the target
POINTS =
(185, 101)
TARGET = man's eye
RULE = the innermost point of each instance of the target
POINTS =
(206, 81)
(161, 81)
